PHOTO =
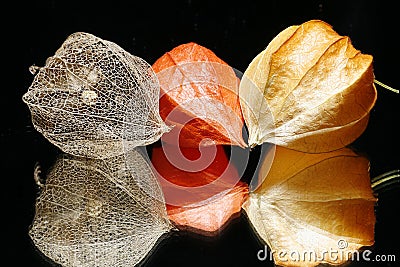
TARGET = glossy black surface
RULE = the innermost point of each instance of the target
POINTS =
(236, 32)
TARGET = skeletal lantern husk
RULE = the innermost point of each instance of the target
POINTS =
(93, 99)
(92, 212)
(313, 208)
(309, 90)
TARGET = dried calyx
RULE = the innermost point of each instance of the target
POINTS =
(91, 95)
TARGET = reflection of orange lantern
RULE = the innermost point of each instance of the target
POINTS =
(202, 196)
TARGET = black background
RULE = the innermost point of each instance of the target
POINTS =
(236, 32)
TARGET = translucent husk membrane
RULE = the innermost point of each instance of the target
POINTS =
(91, 212)
(91, 95)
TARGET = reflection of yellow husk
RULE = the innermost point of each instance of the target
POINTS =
(309, 202)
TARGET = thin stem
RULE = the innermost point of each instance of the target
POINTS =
(386, 86)
(385, 179)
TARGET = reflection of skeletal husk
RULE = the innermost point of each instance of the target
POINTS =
(94, 213)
